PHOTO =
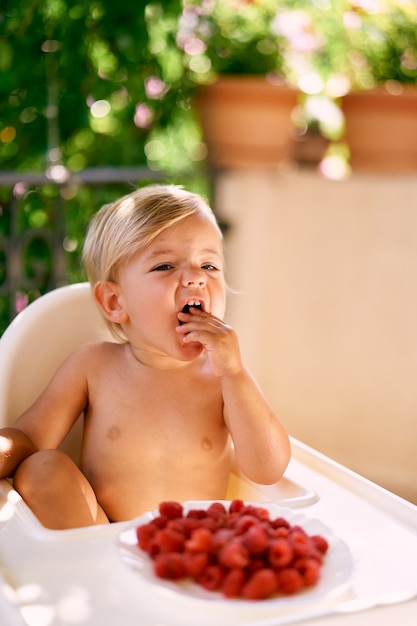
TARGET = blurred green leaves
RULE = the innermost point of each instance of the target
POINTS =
(73, 76)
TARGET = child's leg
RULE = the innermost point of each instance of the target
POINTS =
(57, 492)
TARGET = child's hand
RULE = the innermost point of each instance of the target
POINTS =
(217, 338)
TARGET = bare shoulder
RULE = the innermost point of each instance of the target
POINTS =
(82, 365)
(95, 351)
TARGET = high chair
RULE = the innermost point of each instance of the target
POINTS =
(83, 576)
(38, 340)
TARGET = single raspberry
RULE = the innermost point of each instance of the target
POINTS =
(316, 555)
(236, 506)
(245, 521)
(280, 553)
(234, 554)
(201, 540)
(211, 577)
(145, 534)
(188, 524)
(195, 563)
(256, 539)
(261, 585)
(320, 542)
(178, 524)
(261, 513)
(280, 522)
(160, 521)
(280, 532)
(170, 565)
(171, 509)
(222, 536)
(289, 580)
(169, 540)
(309, 570)
(154, 548)
(233, 582)
(300, 541)
(217, 510)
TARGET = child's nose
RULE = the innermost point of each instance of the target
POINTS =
(194, 277)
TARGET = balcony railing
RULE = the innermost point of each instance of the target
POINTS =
(42, 223)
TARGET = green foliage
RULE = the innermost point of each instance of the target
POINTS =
(81, 88)
(73, 76)
(235, 37)
(382, 45)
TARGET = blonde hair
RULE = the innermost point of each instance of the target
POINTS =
(119, 230)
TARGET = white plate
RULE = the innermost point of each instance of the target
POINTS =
(336, 571)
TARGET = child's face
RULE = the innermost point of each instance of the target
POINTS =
(183, 265)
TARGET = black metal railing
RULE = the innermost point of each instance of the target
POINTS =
(42, 224)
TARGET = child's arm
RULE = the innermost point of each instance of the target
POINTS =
(261, 442)
(46, 422)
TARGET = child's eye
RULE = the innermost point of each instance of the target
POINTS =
(163, 267)
(209, 266)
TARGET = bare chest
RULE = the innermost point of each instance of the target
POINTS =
(133, 422)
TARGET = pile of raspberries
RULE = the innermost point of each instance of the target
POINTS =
(238, 551)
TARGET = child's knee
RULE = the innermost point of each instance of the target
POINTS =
(40, 469)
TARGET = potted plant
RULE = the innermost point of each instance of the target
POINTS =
(381, 107)
(367, 65)
(234, 60)
(236, 57)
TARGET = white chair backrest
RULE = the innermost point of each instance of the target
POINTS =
(39, 339)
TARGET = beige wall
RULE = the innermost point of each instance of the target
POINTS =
(327, 313)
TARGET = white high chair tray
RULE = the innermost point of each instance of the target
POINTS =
(55, 578)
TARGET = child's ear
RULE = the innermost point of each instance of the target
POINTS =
(106, 294)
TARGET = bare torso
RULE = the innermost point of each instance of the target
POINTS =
(152, 434)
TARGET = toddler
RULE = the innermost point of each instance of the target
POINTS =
(168, 406)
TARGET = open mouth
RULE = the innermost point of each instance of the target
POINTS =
(186, 308)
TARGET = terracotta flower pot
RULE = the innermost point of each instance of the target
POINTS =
(246, 121)
(381, 129)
